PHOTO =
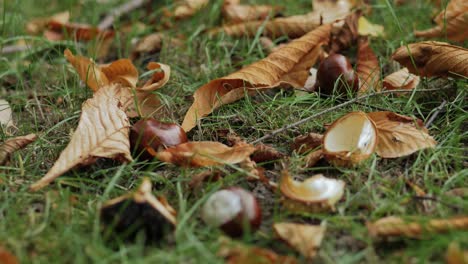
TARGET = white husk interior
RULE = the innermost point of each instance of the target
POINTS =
(354, 133)
(221, 207)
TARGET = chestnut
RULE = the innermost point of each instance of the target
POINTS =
(234, 210)
(333, 68)
(155, 134)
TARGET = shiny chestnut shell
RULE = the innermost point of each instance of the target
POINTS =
(332, 68)
(155, 134)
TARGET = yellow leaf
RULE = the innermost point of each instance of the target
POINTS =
(433, 58)
(101, 133)
(399, 135)
(266, 73)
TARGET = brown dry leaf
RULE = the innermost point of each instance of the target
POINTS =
(315, 194)
(188, 8)
(208, 175)
(399, 135)
(154, 43)
(455, 255)
(88, 70)
(13, 144)
(433, 58)
(101, 133)
(312, 158)
(401, 79)
(77, 31)
(6, 257)
(237, 253)
(266, 73)
(393, 226)
(204, 153)
(347, 34)
(237, 13)
(366, 28)
(306, 143)
(325, 11)
(265, 153)
(367, 68)
(38, 25)
(121, 71)
(451, 22)
(304, 238)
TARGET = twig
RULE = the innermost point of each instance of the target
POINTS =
(302, 121)
(436, 113)
(118, 11)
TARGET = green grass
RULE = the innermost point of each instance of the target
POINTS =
(60, 223)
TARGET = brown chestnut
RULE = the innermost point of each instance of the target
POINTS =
(333, 68)
(157, 135)
(234, 210)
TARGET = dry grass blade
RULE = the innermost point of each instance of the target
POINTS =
(399, 135)
(393, 226)
(14, 144)
(304, 238)
(433, 58)
(368, 68)
(101, 133)
(265, 73)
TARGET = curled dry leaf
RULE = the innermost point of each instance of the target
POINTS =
(264, 153)
(154, 43)
(188, 8)
(101, 133)
(204, 153)
(13, 144)
(138, 211)
(6, 257)
(433, 58)
(368, 68)
(399, 135)
(347, 34)
(312, 158)
(88, 70)
(6, 115)
(282, 64)
(455, 255)
(237, 253)
(315, 194)
(451, 23)
(306, 143)
(350, 140)
(393, 226)
(304, 238)
(325, 11)
(401, 79)
(237, 13)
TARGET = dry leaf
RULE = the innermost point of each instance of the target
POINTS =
(451, 23)
(101, 133)
(154, 43)
(393, 226)
(78, 31)
(347, 34)
(455, 255)
(121, 71)
(306, 143)
(236, 13)
(401, 79)
(13, 144)
(367, 68)
(399, 135)
(88, 70)
(325, 11)
(433, 58)
(188, 8)
(264, 153)
(315, 194)
(266, 73)
(237, 253)
(6, 257)
(366, 28)
(204, 153)
(208, 175)
(304, 238)
(38, 25)
(312, 158)
(6, 116)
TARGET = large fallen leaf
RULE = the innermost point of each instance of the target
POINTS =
(266, 73)
(6, 116)
(204, 153)
(368, 68)
(237, 253)
(302, 237)
(315, 194)
(101, 133)
(325, 11)
(393, 226)
(13, 144)
(136, 100)
(433, 58)
(451, 22)
(401, 79)
(399, 135)
(237, 13)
